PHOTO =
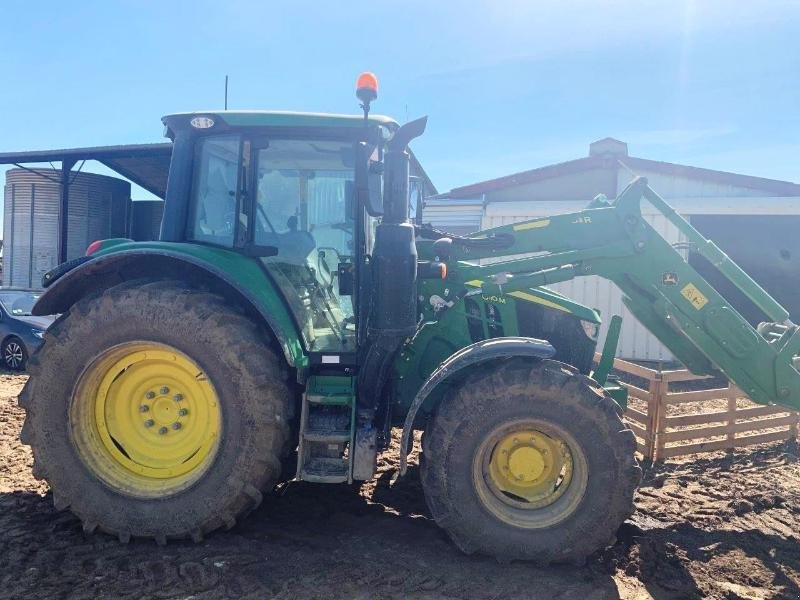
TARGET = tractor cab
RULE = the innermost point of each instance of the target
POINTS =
(282, 188)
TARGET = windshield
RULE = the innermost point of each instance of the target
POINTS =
(19, 304)
(304, 205)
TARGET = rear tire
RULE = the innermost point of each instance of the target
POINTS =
(487, 451)
(240, 397)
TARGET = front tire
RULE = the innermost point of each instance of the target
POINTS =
(156, 411)
(529, 461)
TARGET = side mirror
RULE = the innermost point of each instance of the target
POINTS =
(368, 187)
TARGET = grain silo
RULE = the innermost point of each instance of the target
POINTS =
(98, 206)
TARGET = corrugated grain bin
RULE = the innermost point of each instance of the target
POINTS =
(145, 222)
(98, 207)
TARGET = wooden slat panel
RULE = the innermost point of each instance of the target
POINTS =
(637, 391)
(749, 440)
(759, 411)
(681, 375)
(634, 369)
(763, 424)
(696, 396)
(637, 415)
(703, 432)
(629, 367)
(696, 419)
(639, 430)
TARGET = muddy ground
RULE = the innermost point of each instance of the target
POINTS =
(720, 526)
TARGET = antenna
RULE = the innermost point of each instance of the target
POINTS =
(226, 92)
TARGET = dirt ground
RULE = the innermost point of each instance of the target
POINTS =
(720, 526)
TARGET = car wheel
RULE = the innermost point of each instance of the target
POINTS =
(14, 355)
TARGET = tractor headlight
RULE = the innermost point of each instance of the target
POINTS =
(591, 329)
(37, 333)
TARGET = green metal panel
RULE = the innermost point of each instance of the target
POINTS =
(472, 318)
(245, 273)
(333, 390)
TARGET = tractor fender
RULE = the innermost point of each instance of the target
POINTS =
(105, 271)
(479, 352)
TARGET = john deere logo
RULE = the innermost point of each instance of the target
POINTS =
(669, 279)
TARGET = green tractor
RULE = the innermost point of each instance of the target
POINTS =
(292, 314)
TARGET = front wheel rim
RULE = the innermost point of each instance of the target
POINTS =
(14, 355)
(146, 419)
(530, 473)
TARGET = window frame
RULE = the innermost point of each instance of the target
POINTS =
(237, 239)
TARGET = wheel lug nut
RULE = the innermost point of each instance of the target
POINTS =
(176, 426)
(163, 430)
(164, 390)
(150, 395)
(177, 397)
(144, 408)
(183, 412)
(149, 423)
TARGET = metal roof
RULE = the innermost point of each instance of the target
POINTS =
(147, 165)
(600, 161)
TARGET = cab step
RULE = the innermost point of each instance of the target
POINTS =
(325, 470)
(327, 422)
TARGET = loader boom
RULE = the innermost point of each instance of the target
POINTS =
(665, 293)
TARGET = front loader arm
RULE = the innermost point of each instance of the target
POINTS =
(665, 293)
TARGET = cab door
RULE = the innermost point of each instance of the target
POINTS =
(301, 194)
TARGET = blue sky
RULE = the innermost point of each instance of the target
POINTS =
(508, 85)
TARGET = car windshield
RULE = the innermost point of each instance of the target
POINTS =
(19, 304)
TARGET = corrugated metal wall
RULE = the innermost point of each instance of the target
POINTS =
(459, 216)
(97, 209)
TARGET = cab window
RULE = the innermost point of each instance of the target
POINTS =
(304, 209)
(213, 217)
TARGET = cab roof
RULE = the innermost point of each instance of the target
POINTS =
(277, 118)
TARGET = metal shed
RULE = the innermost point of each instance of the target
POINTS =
(713, 200)
(147, 165)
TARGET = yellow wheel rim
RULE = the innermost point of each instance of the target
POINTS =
(531, 466)
(146, 419)
(530, 474)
